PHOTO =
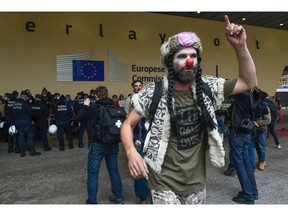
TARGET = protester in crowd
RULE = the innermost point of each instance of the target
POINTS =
(115, 100)
(69, 101)
(241, 144)
(219, 116)
(263, 119)
(274, 118)
(122, 100)
(137, 86)
(100, 150)
(174, 162)
(279, 107)
(141, 188)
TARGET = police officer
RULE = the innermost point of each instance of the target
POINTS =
(46, 97)
(10, 120)
(78, 104)
(31, 99)
(40, 115)
(89, 122)
(23, 124)
(63, 114)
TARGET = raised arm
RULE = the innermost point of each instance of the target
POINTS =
(136, 164)
(237, 37)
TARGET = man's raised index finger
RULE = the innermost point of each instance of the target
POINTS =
(226, 18)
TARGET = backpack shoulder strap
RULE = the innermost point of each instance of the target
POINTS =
(158, 91)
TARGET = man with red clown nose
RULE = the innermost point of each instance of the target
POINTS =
(184, 125)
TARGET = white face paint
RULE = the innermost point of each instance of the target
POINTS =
(182, 72)
(137, 87)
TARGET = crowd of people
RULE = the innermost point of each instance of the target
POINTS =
(31, 116)
(251, 115)
(166, 151)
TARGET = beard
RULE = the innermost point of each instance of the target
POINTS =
(184, 77)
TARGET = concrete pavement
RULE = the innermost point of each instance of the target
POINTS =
(60, 177)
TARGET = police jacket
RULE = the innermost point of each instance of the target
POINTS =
(63, 114)
(78, 104)
(40, 111)
(8, 111)
(23, 113)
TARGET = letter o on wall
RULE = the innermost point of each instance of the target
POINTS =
(216, 42)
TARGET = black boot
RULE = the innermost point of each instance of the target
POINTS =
(22, 153)
(34, 153)
(61, 147)
(47, 148)
(46, 145)
(10, 149)
(80, 145)
(71, 146)
(10, 143)
(17, 150)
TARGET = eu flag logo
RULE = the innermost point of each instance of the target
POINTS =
(87, 70)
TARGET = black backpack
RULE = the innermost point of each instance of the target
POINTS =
(245, 108)
(108, 126)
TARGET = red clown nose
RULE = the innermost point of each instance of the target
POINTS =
(189, 62)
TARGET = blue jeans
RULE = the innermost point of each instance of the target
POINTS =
(260, 145)
(251, 155)
(96, 153)
(239, 147)
(141, 188)
(221, 124)
(26, 131)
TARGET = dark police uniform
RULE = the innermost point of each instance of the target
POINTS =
(89, 123)
(63, 115)
(10, 120)
(40, 114)
(78, 104)
(23, 124)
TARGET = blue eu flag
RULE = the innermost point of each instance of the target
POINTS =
(87, 70)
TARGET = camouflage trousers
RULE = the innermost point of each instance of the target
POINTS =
(169, 197)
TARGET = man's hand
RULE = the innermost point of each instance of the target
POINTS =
(137, 166)
(137, 143)
(256, 124)
(235, 34)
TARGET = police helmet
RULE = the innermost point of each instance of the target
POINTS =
(12, 130)
(2, 124)
(52, 129)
